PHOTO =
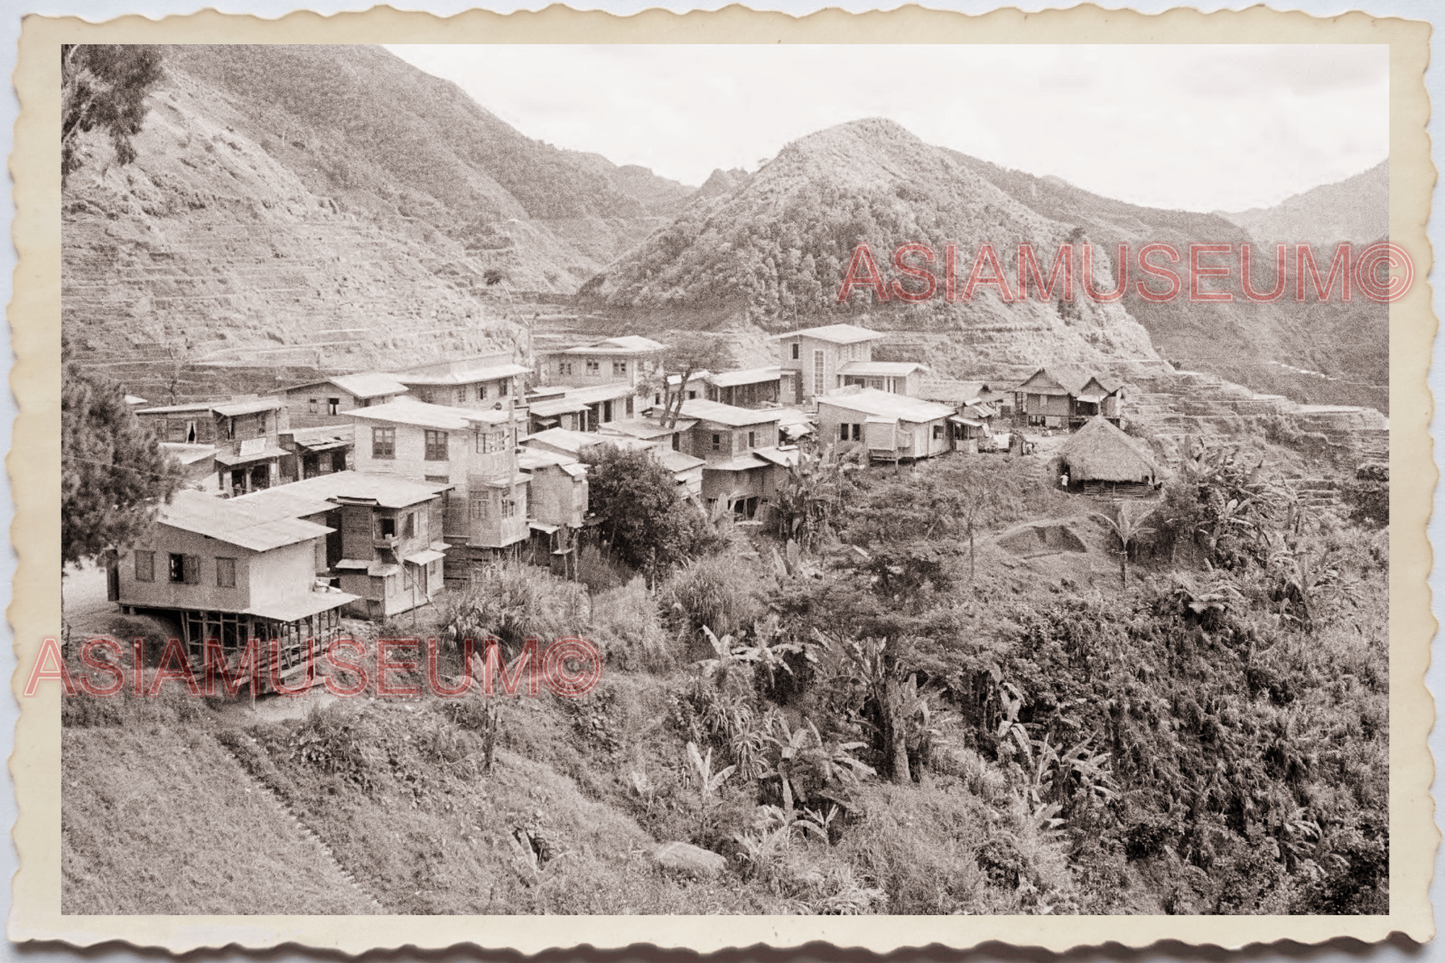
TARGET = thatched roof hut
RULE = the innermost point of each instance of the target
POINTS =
(1101, 455)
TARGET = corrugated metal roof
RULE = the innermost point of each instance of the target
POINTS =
(676, 461)
(262, 454)
(572, 442)
(550, 407)
(627, 344)
(256, 526)
(234, 409)
(409, 411)
(465, 376)
(836, 333)
(599, 393)
(882, 369)
(386, 491)
(369, 384)
(746, 376)
(289, 610)
(728, 415)
(742, 462)
(646, 429)
(884, 404)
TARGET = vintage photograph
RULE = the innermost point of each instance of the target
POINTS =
(688, 479)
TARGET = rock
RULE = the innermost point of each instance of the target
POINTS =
(689, 859)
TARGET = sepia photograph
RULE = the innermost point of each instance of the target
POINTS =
(681, 479)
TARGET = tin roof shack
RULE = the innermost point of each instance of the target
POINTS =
(726, 439)
(894, 377)
(976, 408)
(199, 465)
(1099, 459)
(686, 470)
(811, 360)
(321, 403)
(1062, 397)
(480, 382)
(385, 547)
(234, 570)
(891, 427)
(473, 450)
(246, 433)
(311, 452)
(557, 500)
(748, 388)
(628, 360)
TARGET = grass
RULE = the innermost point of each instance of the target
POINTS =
(162, 821)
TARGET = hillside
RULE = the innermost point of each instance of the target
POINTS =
(1332, 353)
(1356, 209)
(775, 245)
(329, 206)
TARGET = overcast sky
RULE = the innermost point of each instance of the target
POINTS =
(1195, 127)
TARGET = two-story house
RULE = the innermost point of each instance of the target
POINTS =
(324, 403)
(234, 570)
(891, 428)
(629, 359)
(245, 431)
(385, 546)
(747, 388)
(473, 450)
(557, 505)
(812, 360)
(482, 382)
(1061, 397)
(727, 439)
(316, 451)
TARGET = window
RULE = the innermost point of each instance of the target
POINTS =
(461, 396)
(593, 367)
(480, 506)
(752, 439)
(145, 566)
(716, 441)
(629, 406)
(619, 367)
(313, 406)
(383, 443)
(564, 367)
(438, 479)
(333, 407)
(408, 525)
(385, 527)
(261, 422)
(817, 372)
(225, 573)
(436, 446)
(177, 567)
(502, 389)
(509, 506)
(850, 432)
(481, 392)
(937, 432)
(797, 349)
(489, 442)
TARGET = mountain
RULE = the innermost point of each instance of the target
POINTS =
(774, 246)
(1333, 352)
(330, 203)
(1356, 209)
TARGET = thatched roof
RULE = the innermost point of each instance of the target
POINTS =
(1100, 452)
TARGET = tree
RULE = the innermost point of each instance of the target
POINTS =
(104, 86)
(113, 474)
(1127, 526)
(684, 361)
(641, 516)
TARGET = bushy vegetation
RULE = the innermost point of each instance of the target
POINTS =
(864, 714)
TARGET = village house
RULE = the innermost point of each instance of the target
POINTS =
(483, 382)
(385, 546)
(316, 451)
(686, 470)
(890, 427)
(1100, 459)
(894, 377)
(976, 411)
(727, 439)
(473, 450)
(245, 431)
(1059, 397)
(629, 360)
(557, 503)
(550, 407)
(198, 465)
(748, 388)
(811, 360)
(324, 403)
(236, 569)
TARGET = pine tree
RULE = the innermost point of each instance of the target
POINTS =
(113, 474)
(104, 86)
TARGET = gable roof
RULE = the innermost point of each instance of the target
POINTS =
(362, 384)
(385, 491)
(573, 442)
(1101, 452)
(885, 404)
(747, 376)
(408, 411)
(836, 333)
(1070, 379)
(626, 344)
(729, 415)
(462, 376)
(231, 408)
(952, 392)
